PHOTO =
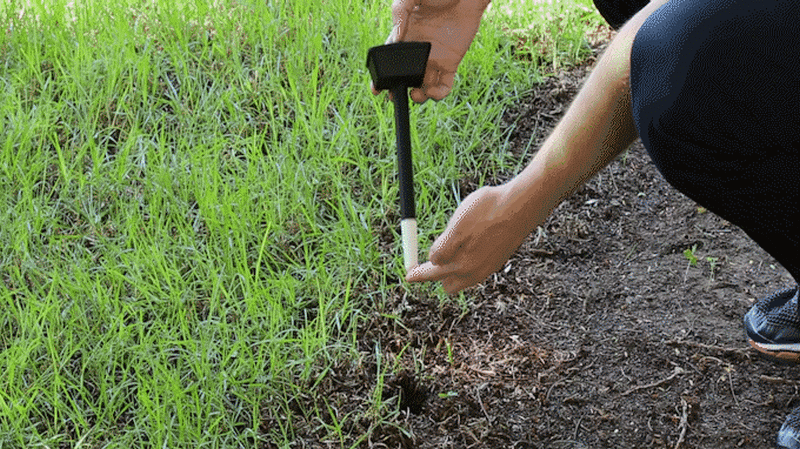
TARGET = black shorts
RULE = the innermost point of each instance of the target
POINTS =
(715, 89)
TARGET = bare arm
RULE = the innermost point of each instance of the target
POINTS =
(596, 128)
(491, 223)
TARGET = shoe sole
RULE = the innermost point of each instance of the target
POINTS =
(780, 355)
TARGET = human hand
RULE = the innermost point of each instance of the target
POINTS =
(479, 239)
(449, 25)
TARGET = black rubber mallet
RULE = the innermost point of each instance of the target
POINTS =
(397, 67)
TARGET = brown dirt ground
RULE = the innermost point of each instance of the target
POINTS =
(596, 334)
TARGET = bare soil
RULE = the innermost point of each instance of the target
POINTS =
(598, 333)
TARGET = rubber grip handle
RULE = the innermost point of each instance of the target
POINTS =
(404, 166)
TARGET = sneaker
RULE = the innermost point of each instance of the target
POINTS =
(773, 326)
(789, 435)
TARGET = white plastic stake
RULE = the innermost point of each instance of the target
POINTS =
(408, 229)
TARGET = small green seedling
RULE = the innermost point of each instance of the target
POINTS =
(713, 262)
(690, 255)
(449, 352)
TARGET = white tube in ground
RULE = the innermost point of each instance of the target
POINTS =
(408, 229)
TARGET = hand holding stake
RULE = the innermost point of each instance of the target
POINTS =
(398, 67)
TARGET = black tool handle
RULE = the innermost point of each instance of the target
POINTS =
(405, 169)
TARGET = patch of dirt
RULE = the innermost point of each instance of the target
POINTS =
(598, 333)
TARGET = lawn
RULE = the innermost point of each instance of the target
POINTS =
(198, 205)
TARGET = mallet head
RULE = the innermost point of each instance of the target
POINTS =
(401, 64)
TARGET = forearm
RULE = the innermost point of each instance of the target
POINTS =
(596, 128)
(491, 223)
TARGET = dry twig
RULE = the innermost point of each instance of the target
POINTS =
(733, 393)
(678, 371)
(779, 380)
(684, 422)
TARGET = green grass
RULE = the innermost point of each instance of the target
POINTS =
(192, 202)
